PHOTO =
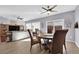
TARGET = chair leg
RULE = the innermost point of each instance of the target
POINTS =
(61, 52)
(30, 48)
(65, 48)
(49, 52)
(40, 45)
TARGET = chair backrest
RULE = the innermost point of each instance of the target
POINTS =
(58, 41)
(37, 31)
(30, 34)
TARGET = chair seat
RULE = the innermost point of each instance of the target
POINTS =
(35, 41)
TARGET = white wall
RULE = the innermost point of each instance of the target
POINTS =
(77, 29)
(57, 22)
(7, 21)
(77, 14)
(4, 20)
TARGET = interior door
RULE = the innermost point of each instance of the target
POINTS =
(49, 29)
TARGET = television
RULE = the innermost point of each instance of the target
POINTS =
(14, 28)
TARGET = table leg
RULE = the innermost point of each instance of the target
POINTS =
(46, 41)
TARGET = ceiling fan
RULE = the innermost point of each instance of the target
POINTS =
(20, 18)
(49, 9)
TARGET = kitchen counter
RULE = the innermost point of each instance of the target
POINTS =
(18, 35)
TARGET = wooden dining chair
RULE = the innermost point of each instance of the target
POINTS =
(33, 41)
(56, 46)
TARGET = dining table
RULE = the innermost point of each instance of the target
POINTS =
(46, 37)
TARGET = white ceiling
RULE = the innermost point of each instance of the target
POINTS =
(29, 12)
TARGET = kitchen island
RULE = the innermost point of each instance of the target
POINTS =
(19, 35)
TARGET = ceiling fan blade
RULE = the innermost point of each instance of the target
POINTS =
(53, 11)
(53, 7)
(44, 8)
(43, 12)
(21, 18)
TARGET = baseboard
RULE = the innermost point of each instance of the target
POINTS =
(70, 41)
(19, 39)
(77, 44)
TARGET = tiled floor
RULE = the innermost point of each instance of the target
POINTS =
(23, 47)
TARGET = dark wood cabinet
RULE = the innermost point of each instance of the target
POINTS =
(6, 31)
(3, 32)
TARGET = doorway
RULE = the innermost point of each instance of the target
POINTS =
(49, 29)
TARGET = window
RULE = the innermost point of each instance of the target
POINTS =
(28, 26)
(35, 25)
